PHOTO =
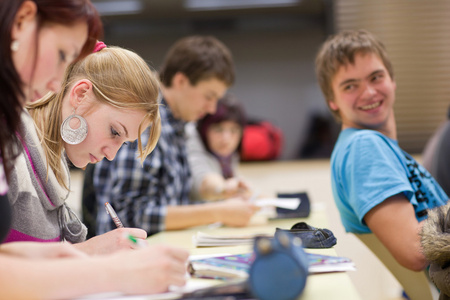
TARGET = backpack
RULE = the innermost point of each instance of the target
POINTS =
(261, 141)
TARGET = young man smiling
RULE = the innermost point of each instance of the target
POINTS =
(377, 186)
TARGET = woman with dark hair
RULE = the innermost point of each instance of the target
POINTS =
(39, 39)
(26, 29)
(213, 149)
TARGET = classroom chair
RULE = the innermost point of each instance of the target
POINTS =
(435, 155)
(415, 284)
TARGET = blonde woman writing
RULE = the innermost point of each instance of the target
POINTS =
(106, 99)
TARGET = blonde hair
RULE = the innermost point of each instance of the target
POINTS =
(120, 78)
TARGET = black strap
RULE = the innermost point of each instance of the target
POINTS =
(5, 217)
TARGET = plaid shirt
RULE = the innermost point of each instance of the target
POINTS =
(140, 194)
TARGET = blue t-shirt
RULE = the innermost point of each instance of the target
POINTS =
(367, 167)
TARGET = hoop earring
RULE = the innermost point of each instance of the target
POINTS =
(15, 46)
(74, 136)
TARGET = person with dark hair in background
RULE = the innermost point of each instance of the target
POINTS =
(213, 152)
(196, 73)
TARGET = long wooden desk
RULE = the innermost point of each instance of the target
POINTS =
(323, 286)
(268, 178)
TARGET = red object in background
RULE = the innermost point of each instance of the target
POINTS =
(261, 141)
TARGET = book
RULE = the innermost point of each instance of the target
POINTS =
(319, 263)
(233, 266)
(223, 266)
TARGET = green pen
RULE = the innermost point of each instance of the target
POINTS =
(139, 242)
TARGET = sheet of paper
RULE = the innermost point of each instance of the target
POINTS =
(287, 203)
(201, 239)
(202, 256)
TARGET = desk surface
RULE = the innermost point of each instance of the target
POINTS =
(321, 286)
(268, 178)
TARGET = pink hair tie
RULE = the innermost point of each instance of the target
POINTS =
(99, 46)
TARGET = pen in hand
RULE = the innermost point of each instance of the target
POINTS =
(138, 242)
(110, 211)
(143, 244)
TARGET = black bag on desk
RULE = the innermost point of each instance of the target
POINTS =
(311, 237)
(302, 211)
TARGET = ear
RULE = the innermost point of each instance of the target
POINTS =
(24, 16)
(79, 92)
(179, 80)
(333, 105)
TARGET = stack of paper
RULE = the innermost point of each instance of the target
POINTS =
(202, 239)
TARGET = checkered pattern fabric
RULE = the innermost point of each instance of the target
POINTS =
(140, 194)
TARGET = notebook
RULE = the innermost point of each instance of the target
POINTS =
(237, 265)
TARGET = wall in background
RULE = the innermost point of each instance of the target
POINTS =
(273, 52)
(416, 36)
